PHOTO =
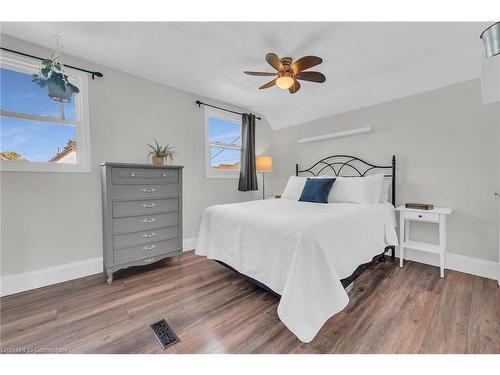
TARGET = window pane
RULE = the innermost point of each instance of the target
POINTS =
(224, 131)
(37, 141)
(19, 94)
(224, 158)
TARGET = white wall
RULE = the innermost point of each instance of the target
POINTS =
(490, 79)
(446, 143)
(50, 219)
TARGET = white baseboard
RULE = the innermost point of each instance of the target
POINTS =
(189, 243)
(20, 282)
(474, 266)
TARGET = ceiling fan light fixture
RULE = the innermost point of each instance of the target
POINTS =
(285, 81)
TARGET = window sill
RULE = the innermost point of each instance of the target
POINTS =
(230, 175)
(20, 166)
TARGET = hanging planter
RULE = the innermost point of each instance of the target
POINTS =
(55, 82)
(491, 40)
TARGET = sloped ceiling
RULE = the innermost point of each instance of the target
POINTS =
(365, 63)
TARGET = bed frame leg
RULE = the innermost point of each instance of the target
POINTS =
(393, 253)
(382, 258)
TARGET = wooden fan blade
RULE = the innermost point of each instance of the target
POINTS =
(295, 87)
(259, 73)
(273, 60)
(306, 62)
(267, 85)
(311, 76)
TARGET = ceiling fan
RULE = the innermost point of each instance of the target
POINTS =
(289, 72)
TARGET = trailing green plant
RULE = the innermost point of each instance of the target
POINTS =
(52, 76)
(159, 151)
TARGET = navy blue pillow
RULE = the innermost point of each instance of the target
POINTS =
(316, 190)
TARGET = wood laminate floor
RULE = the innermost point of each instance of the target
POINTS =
(212, 310)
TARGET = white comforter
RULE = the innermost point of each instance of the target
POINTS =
(300, 250)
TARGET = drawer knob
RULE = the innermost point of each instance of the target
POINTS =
(148, 220)
(132, 175)
(148, 235)
(164, 175)
(420, 216)
(148, 190)
(150, 247)
(148, 205)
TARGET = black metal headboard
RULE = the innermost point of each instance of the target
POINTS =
(351, 166)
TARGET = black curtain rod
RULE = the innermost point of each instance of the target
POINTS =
(222, 109)
(98, 74)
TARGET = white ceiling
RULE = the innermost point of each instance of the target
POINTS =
(365, 63)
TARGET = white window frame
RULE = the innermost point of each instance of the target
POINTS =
(212, 172)
(80, 79)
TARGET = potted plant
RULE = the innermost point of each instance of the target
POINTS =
(53, 79)
(160, 154)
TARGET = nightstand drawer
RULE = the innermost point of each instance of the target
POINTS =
(421, 216)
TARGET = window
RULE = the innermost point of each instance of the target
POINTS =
(38, 134)
(223, 143)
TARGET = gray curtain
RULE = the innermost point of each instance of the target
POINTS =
(248, 175)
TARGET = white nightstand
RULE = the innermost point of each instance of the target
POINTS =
(438, 215)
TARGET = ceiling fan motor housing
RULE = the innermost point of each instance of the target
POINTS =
(287, 62)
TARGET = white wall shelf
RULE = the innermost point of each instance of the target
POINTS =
(341, 134)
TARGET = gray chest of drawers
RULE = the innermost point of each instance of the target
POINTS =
(142, 214)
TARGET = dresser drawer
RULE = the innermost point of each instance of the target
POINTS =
(144, 176)
(146, 222)
(422, 216)
(147, 251)
(144, 191)
(144, 237)
(145, 207)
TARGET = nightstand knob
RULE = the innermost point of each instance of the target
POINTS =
(420, 216)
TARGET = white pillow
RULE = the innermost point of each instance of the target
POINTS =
(366, 190)
(384, 196)
(295, 185)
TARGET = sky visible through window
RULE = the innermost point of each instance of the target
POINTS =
(33, 140)
(226, 132)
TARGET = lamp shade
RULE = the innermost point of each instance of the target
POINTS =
(264, 164)
(491, 40)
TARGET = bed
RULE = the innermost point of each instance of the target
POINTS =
(305, 252)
